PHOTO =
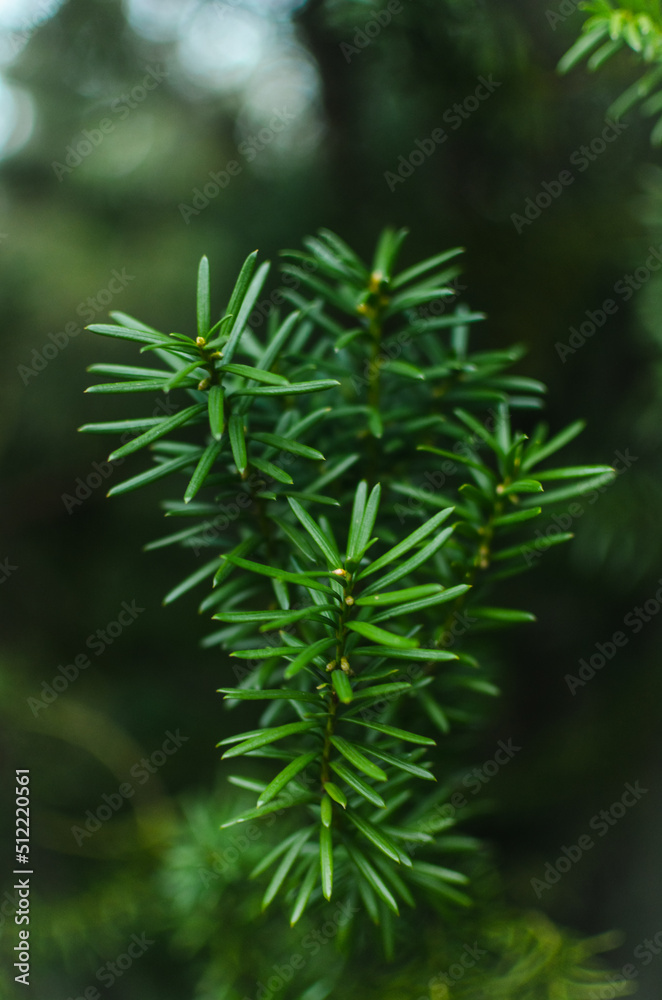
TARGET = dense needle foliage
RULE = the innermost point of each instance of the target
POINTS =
(352, 488)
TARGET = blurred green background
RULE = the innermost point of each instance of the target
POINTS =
(115, 118)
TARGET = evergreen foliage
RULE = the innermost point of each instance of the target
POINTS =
(352, 487)
(612, 28)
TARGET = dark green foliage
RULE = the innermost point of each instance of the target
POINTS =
(612, 28)
(349, 486)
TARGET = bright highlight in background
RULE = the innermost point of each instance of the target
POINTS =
(18, 20)
(245, 49)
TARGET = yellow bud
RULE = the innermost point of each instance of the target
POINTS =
(376, 279)
(200, 341)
